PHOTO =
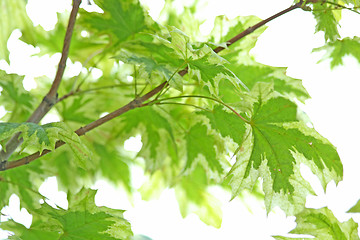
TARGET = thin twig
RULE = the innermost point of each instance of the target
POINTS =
(139, 102)
(51, 97)
(258, 25)
(205, 97)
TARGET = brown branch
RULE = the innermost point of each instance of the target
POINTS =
(258, 25)
(139, 102)
(51, 97)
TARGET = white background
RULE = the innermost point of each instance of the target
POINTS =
(288, 42)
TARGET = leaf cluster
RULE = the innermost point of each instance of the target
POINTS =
(207, 112)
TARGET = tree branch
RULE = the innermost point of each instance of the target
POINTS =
(139, 102)
(51, 97)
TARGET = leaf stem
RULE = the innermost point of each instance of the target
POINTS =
(205, 97)
(177, 103)
(171, 77)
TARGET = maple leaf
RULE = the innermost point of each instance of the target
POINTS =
(14, 94)
(199, 142)
(45, 136)
(83, 220)
(250, 74)
(340, 48)
(192, 196)
(51, 42)
(13, 16)
(156, 131)
(121, 19)
(226, 123)
(225, 29)
(355, 208)
(113, 164)
(24, 183)
(275, 145)
(326, 21)
(322, 224)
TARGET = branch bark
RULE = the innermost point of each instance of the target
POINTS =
(139, 102)
(51, 97)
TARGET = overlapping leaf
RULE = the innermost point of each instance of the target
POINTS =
(192, 197)
(338, 49)
(255, 72)
(24, 182)
(326, 21)
(121, 19)
(199, 142)
(51, 42)
(113, 165)
(210, 70)
(13, 16)
(275, 145)
(156, 131)
(322, 224)
(45, 136)
(83, 220)
(226, 123)
(225, 29)
(14, 94)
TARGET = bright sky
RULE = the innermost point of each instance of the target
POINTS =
(288, 41)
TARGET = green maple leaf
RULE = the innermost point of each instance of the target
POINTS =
(192, 196)
(254, 73)
(13, 93)
(322, 224)
(156, 131)
(76, 110)
(326, 21)
(121, 19)
(338, 49)
(210, 69)
(276, 144)
(24, 182)
(13, 16)
(199, 142)
(113, 165)
(51, 42)
(83, 220)
(45, 136)
(225, 29)
(355, 208)
(226, 123)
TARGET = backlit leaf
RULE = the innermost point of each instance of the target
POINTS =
(252, 74)
(210, 70)
(338, 49)
(192, 197)
(227, 123)
(45, 136)
(326, 21)
(13, 16)
(322, 224)
(14, 94)
(276, 145)
(200, 143)
(155, 130)
(83, 220)
(23, 182)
